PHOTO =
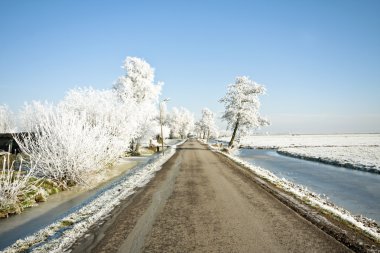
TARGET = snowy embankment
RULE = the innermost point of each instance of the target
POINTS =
(367, 225)
(355, 151)
(60, 235)
(357, 157)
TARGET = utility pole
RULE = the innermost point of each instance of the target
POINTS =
(161, 119)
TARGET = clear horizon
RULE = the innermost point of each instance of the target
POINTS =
(319, 61)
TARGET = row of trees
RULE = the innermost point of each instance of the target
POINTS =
(181, 123)
(206, 127)
(70, 142)
(137, 90)
(89, 129)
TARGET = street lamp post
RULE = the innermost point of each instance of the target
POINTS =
(161, 112)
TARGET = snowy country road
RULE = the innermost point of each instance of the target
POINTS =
(198, 203)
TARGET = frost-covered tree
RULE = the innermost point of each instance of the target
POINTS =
(138, 85)
(207, 124)
(242, 105)
(6, 119)
(198, 128)
(181, 122)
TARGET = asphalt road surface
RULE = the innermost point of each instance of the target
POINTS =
(199, 203)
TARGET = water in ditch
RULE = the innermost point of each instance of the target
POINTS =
(356, 191)
(59, 205)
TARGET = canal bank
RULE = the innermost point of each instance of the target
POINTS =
(60, 205)
(356, 191)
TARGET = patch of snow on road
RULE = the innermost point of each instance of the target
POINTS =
(60, 235)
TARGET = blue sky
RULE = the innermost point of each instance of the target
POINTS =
(319, 60)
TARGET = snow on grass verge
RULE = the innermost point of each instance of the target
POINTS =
(365, 158)
(60, 235)
(364, 224)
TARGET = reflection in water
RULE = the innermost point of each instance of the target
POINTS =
(356, 191)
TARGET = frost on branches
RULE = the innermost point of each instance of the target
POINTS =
(6, 119)
(90, 129)
(138, 83)
(242, 106)
(181, 122)
(67, 145)
(206, 127)
(137, 86)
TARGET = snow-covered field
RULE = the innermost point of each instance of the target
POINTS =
(284, 141)
(357, 151)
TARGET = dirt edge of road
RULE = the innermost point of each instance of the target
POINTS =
(135, 204)
(351, 237)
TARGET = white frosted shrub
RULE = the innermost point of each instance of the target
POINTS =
(13, 183)
(68, 146)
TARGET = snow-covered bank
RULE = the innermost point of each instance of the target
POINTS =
(354, 151)
(367, 225)
(60, 235)
(365, 158)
